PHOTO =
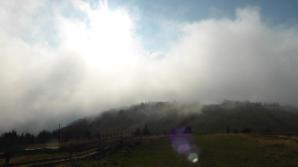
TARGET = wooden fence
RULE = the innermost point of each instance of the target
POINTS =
(95, 149)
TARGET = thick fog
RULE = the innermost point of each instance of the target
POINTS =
(56, 66)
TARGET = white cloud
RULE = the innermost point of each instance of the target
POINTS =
(99, 63)
(242, 59)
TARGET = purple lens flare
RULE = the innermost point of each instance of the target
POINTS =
(183, 143)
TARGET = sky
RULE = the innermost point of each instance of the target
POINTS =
(62, 60)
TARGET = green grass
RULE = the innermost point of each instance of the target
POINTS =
(216, 151)
(151, 153)
(247, 151)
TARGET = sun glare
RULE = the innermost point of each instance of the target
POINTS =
(106, 40)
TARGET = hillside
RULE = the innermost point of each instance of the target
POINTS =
(160, 117)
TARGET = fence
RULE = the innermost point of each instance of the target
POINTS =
(96, 149)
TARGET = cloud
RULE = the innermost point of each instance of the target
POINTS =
(241, 59)
(99, 62)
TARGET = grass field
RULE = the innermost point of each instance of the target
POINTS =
(216, 150)
(220, 150)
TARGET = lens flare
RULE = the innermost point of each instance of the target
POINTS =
(193, 157)
(183, 144)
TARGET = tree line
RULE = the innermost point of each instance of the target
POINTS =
(12, 137)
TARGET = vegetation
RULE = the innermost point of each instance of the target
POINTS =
(220, 150)
(159, 119)
(247, 150)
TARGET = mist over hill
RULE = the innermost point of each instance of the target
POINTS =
(76, 59)
(161, 117)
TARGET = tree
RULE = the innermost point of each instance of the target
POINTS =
(137, 132)
(228, 129)
(187, 130)
(246, 130)
(9, 145)
(146, 130)
(44, 136)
